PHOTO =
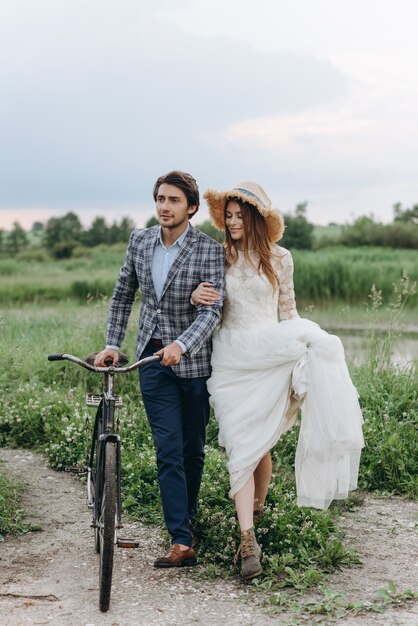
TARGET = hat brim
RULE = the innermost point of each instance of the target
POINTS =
(216, 201)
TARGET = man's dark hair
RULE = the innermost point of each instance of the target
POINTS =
(185, 182)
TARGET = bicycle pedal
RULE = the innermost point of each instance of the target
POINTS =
(127, 543)
(75, 469)
(93, 399)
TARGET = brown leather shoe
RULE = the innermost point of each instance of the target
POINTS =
(177, 558)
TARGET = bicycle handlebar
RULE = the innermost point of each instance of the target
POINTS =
(112, 369)
(55, 357)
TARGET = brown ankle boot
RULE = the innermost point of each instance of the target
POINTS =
(250, 555)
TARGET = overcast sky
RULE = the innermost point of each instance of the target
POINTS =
(317, 100)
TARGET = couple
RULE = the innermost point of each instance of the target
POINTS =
(259, 373)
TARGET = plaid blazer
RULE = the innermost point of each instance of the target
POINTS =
(199, 259)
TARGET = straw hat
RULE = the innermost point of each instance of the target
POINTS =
(252, 193)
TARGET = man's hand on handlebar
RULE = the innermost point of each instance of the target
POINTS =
(104, 355)
(171, 354)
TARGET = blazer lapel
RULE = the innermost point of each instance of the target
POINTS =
(183, 255)
(148, 253)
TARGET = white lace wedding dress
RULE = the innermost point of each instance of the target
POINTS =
(264, 370)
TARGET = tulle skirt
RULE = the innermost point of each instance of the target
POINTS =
(260, 378)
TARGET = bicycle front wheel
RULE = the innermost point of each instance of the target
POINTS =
(106, 525)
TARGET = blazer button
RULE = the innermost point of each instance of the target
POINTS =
(158, 311)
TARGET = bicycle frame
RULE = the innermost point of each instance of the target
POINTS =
(104, 426)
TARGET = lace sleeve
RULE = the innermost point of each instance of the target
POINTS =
(287, 302)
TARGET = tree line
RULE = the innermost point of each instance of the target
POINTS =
(364, 231)
(61, 235)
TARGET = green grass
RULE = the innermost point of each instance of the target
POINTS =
(44, 408)
(11, 513)
(346, 275)
(334, 605)
(323, 278)
(77, 278)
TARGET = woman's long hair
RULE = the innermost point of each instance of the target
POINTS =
(254, 223)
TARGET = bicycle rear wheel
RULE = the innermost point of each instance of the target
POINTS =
(106, 526)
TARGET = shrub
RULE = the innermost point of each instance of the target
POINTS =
(366, 232)
(63, 249)
(401, 235)
(36, 255)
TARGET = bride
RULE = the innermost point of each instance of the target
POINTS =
(264, 370)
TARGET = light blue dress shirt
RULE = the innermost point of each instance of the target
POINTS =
(162, 260)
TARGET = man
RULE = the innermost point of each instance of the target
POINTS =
(167, 262)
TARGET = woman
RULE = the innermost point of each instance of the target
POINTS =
(263, 370)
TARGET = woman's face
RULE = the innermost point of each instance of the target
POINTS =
(233, 220)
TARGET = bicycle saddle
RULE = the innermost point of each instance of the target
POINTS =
(123, 359)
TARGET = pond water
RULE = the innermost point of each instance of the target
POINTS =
(356, 346)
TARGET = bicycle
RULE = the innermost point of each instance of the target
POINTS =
(103, 463)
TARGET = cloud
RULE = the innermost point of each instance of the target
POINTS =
(317, 101)
(103, 97)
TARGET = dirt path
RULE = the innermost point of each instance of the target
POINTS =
(50, 577)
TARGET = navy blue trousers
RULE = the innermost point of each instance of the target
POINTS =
(178, 413)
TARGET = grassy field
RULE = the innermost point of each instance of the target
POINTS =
(323, 278)
(77, 278)
(61, 306)
(346, 275)
(43, 407)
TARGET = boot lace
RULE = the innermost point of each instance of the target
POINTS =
(246, 547)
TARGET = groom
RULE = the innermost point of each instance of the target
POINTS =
(167, 262)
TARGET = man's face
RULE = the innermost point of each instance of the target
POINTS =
(172, 208)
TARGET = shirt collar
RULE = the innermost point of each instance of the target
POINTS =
(179, 242)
